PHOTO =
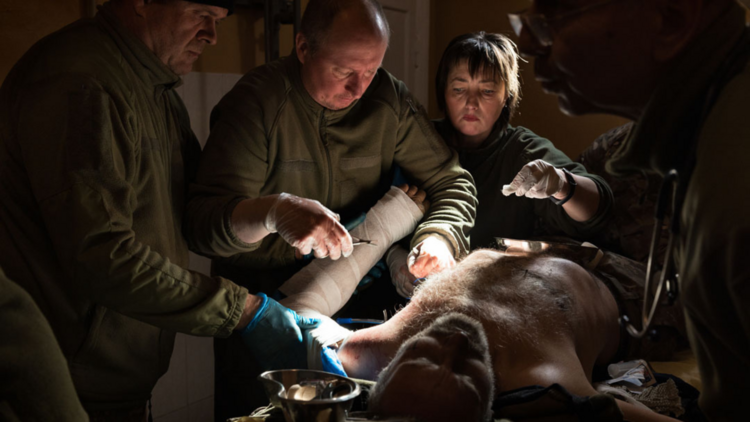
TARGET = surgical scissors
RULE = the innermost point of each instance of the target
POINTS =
(356, 242)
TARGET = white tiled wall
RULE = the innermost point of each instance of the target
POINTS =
(186, 392)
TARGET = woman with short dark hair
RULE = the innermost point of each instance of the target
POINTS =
(521, 178)
(478, 90)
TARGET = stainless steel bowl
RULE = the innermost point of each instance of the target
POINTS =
(334, 409)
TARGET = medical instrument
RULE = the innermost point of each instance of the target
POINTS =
(356, 242)
(359, 321)
(586, 254)
(669, 275)
(733, 64)
(333, 394)
(364, 320)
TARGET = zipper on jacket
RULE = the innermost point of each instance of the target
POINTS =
(323, 138)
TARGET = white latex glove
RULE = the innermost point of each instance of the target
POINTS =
(537, 179)
(432, 255)
(396, 258)
(308, 226)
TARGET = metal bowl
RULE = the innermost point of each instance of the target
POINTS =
(342, 392)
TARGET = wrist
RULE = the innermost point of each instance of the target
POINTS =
(568, 190)
(268, 210)
(248, 218)
(563, 192)
(254, 305)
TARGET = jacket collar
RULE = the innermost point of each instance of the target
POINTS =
(144, 62)
(664, 131)
(294, 70)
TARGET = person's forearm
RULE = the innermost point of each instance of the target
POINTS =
(585, 201)
(248, 218)
(392, 218)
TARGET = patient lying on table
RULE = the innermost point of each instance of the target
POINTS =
(546, 320)
(507, 322)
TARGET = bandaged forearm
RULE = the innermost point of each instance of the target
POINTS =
(325, 285)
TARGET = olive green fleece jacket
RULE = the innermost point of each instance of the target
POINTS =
(36, 383)
(95, 155)
(268, 135)
(497, 162)
(714, 243)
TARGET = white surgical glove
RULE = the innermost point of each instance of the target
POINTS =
(537, 179)
(400, 275)
(308, 226)
(430, 256)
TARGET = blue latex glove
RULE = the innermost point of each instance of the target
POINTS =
(274, 336)
(331, 362)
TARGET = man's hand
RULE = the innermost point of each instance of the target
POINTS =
(417, 195)
(537, 179)
(308, 226)
(432, 255)
(274, 336)
(402, 279)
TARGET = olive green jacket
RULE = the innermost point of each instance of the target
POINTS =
(496, 163)
(36, 383)
(96, 151)
(714, 243)
(268, 135)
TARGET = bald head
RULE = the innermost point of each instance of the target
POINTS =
(330, 19)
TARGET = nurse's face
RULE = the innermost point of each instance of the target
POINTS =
(473, 103)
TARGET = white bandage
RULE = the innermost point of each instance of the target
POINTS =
(325, 285)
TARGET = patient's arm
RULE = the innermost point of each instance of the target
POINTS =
(570, 375)
(366, 352)
(324, 285)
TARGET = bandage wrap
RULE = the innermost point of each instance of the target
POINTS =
(324, 285)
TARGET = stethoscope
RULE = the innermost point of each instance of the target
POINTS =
(672, 192)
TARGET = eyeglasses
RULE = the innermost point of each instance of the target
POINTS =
(669, 278)
(540, 26)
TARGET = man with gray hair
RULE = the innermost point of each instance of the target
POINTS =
(678, 68)
(96, 153)
(306, 139)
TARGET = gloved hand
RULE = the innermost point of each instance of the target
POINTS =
(308, 226)
(331, 362)
(322, 342)
(430, 256)
(396, 257)
(274, 336)
(537, 179)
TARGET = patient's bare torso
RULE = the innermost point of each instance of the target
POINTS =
(547, 319)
